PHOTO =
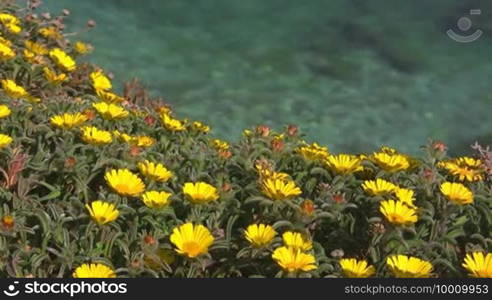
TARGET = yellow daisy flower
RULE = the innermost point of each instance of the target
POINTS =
(398, 213)
(110, 111)
(143, 141)
(50, 32)
(10, 22)
(36, 48)
(259, 235)
(344, 163)
(390, 160)
(81, 48)
(108, 96)
(96, 270)
(294, 260)
(465, 168)
(6, 52)
(53, 77)
(155, 199)
(62, 60)
(278, 189)
(13, 90)
(154, 171)
(353, 268)
(314, 152)
(67, 120)
(405, 195)
(403, 266)
(102, 212)
(378, 187)
(297, 241)
(124, 182)
(220, 145)
(94, 136)
(200, 192)
(4, 111)
(200, 127)
(172, 124)
(191, 240)
(478, 264)
(457, 193)
(5, 140)
(100, 82)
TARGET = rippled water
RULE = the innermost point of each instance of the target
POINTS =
(352, 74)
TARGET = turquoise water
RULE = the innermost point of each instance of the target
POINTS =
(352, 74)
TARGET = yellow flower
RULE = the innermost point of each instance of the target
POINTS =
(390, 160)
(378, 187)
(344, 163)
(109, 97)
(5, 140)
(172, 124)
(266, 173)
(353, 268)
(102, 212)
(36, 48)
(191, 240)
(6, 52)
(465, 168)
(199, 126)
(314, 152)
(154, 171)
(478, 264)
(50, 32)
(403, 266)
(294, 260)
(124, 182)
(94, 136)
(100, 82)
(398, 213)
(94, 271)
(81, 48)
(278, 189)
(155, 199)
(200, 192)
(4, 111)
(110, 111)
(54, 78)
(30, 56)
(247, 133)
(13, 90)
(457, 193)
(67, 120)
(405, 195)
(5, 41)
(62, 60)
(297, 241)
(220, 145)
(143, 141)
(10, 22)
(259, 235)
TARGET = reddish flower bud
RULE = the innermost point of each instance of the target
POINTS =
(70, 162)
(439, 146)
(292, 130)
(149, 240)
(134, 151)
(277, 145)
(307, 207)
(338, 198)
(263, 130)
(149, 120)
(8, 221)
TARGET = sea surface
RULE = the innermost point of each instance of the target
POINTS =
(353, 75)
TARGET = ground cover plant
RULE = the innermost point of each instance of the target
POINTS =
(103, 183)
